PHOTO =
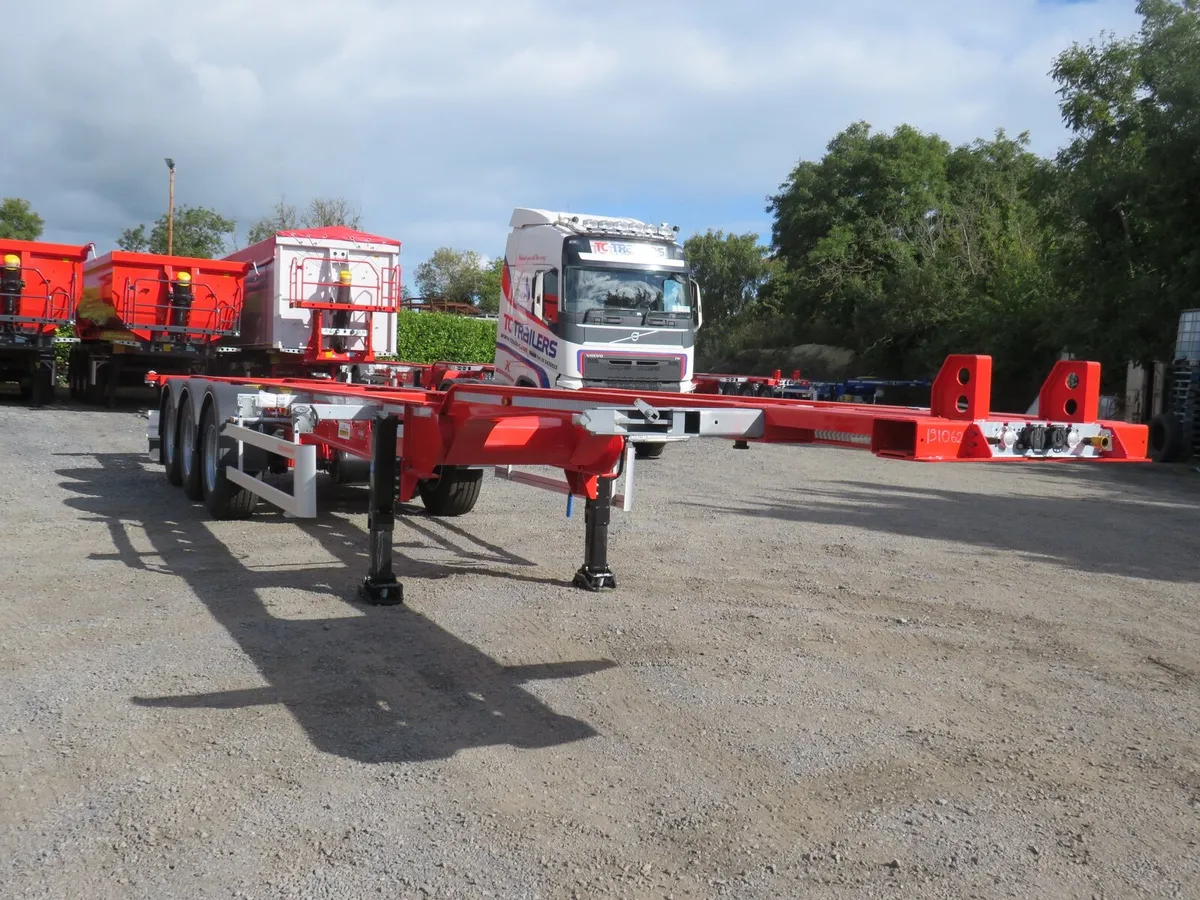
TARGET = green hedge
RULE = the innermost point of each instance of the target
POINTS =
(427, 337)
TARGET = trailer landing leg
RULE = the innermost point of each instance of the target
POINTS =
(595, 574)
(380, 587)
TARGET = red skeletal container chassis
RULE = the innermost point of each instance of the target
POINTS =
(156, 299)
(40, 285)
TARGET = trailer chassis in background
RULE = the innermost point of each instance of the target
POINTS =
(218, 438)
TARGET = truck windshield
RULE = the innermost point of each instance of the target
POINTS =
(631, 289)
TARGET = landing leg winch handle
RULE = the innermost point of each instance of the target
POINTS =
(595, 574)
(380, 587)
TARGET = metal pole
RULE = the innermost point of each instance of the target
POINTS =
(171, 207)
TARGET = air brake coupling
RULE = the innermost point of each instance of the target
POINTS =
(181, 298)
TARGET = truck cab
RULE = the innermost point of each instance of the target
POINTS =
(595, 302)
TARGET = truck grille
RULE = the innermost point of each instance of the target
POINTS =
(667, 387)
(634, 372)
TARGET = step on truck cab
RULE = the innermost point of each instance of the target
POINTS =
(596, 302)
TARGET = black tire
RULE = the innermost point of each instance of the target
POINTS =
(453, 492)
(348, 469)
(187, 451)
(649, 451)
(168, 435)
(42, 390)
(111, 381)
(1166, 439)
(222, 498)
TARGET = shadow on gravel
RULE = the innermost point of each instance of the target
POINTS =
(1175, 483)
(1152, 534)
(129, 400)
(372, 684)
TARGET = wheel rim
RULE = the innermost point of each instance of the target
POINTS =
(210, 455)
(187, 438)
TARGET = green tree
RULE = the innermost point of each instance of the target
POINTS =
(730, 268)
(18, 221)
(198, 232)
(491, 285)
(459, 276)
(856, 232)
(321, 212)
(1129, 260)
(904, 249)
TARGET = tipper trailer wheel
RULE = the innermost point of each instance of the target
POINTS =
(453, 492)
(42, 389)
(187, 450)
(222, 498)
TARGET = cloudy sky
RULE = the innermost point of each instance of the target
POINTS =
(436, 119)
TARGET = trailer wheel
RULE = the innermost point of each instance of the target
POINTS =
(168, 434)
(187, 451)
(647, 450)
(42, 390)
(453, 492)
(1166, 439)
(222, 498)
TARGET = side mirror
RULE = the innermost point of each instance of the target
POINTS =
(697, 311)
(538, 294)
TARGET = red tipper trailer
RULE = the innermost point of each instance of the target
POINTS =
(40, 285)
(141, 312)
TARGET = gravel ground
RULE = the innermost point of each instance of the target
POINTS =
(823, 675)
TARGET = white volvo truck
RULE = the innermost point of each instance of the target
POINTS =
(596, 302)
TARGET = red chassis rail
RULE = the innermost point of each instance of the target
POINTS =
(418, 441)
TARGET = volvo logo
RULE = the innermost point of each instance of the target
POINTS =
(634, 337)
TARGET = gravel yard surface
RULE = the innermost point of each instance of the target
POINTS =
(823, 675)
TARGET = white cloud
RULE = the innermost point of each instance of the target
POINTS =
(438, 119)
